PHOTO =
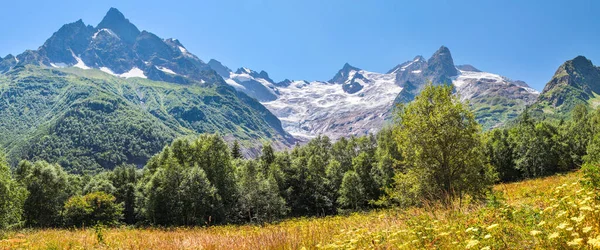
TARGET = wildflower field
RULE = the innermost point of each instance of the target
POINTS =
(551, 213)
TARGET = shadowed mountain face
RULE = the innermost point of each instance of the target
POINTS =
(118, 47)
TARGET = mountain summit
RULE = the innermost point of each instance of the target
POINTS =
(440, 67)
(116, 46)
(577, 81)
(116, 21)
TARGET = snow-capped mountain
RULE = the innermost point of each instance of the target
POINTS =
(254, 84)
(117, 47)
(307, 109)
(357, 102)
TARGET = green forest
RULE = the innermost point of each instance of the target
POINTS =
(433, 151)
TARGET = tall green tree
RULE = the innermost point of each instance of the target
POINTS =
(440, 142)
(12, 197)
(236, 151)
(352, 194)
(500, 154)
(165, 172)
(260, 200)
(48, 186)
(125, 178)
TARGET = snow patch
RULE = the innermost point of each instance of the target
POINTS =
(182, 49)
(108, 71)
(467, 76)
(110, 32)
(134, 72)
(59, 65)
(416, 72)
(80, 64)
(166, 70)
(234, 84)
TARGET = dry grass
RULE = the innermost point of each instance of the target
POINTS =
(533, 212)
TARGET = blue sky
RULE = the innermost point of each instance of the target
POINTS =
(312, 39)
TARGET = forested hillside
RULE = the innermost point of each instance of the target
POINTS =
(88, 121)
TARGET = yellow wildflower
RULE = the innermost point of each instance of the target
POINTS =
(471, 244)
(553, 235)
(575, 242)
(562, 225)
(490, 227)
(486, 248)
(541, 223)
(594, 242)
(487, 236)
(535, 232)
(587, 229)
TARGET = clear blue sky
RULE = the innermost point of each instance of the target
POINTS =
(312, 39)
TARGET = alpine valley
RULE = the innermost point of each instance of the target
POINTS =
(91, 98)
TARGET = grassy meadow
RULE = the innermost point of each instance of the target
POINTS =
(553, 212)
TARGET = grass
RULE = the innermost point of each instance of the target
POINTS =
(553, 212)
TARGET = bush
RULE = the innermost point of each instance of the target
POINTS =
(91, 209)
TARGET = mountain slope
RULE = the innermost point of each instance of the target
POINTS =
(576, 81)
(88, 120)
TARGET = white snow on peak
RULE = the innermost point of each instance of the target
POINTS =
(182, 49)
(110, 32)
(166, 70)
(134, 72)
(530, 90)
(108, 71)
(309, 109)
(466, 76)
(416, 72)
(351, 75)
(234, 84)
(80, 63)
(59, 65)
(403, 68)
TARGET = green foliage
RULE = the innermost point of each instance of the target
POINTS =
(591, 177)
(88, 121)
(440, 142)
(500, 153)
(125, 178)
(236, 152)
(92, 209)
(352, 193)
(205, 164)
(259, 199)
(12, 198)
(48, 186)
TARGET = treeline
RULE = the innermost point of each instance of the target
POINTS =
(533, 148)
(435, 151)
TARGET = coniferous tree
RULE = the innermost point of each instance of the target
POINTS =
(236, 152)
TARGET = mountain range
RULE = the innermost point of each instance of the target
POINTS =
(358, 102)
(91, 98)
